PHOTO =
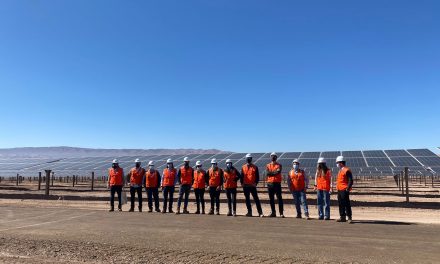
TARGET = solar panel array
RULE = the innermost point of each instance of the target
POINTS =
(367, 162)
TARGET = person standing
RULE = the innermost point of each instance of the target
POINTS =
(230, 179)
(115, 184)
(200, 181)
(323, 183)
(136, 177)
(184, 178)
(250, 177)
(344, 183)
(169, 179)
(215, 183)
(298, 183)
(274, 178)
(152, 182)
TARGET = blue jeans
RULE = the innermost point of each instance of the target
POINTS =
(184, 190)
(323, 204)
(299, 198)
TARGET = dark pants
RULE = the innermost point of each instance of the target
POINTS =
(168, 194)
(133, 191)
(344, 204)
(153, 193)
(200, 198)
(231, 194)
(215, 198)
(115, 189)
(184, 190)
(248, 190)
(275, 189)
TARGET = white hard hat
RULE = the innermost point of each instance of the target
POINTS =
(228, 161)
(339, 159)
(249, 155)
(273, 154)
(321, 160)
(213, 161)
(115, 161)
(169, 161)
(295, 161)
(186, 159)
(198, 163)
(137, 160)
(151, 163)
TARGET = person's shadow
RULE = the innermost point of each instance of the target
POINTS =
(380, 222)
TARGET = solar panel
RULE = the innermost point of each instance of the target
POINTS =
(429, 161)
(237, 155)
(290, 155)
(379, 162)
(310, 155)
(421, 152)
(397, 153)
(352, 154)
(308, 162)
(374, 154)
(355, 162)
(330, 154)
(405, 161)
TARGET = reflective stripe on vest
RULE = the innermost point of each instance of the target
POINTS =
(186, 175)
(199, 179)
(116, 176)
(214, 177)
(151, 179)
(169, 177)
(297, 180)
(230, 179)
(342, 180)
(273, 167)
(136, 176)
(249, 174)
(323, 182)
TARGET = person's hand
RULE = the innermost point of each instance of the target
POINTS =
(347, 190)
(219, 188)
(330, 192)
(108, 185)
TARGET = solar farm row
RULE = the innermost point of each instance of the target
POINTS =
(381, 162)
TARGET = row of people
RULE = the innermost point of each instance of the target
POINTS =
(215, 179)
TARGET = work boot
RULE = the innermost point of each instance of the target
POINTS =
(234, 214)
(140, 209)
(120, 208)
(260, 214)
(282, 215)
(197, 212)
(158, 210)
(185, 211)
(178, 211)
(211, 211)
(350, 221)
(150, 210)
(217, 212)
(170, 210)
(131, 209)
(249, 214)
(112, 209)
(307, 217)
(342, 219)
(164, 210)
(273, 214)
(298, 216)
(203, 208)
(229, 213)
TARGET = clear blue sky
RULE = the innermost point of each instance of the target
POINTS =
(233, 75)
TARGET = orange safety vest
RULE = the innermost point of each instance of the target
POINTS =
(297, 180)
(199, 179)
(342, 180)
(116, 176)
(169, 177)
(323, 182)
(249, 174)
(136, 176)
(214, 177)
(230, 179)
(186, 175)
(275, 178)
(151, 179)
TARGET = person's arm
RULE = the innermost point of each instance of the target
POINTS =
(350, 179)
(238, 175)
(241, 176)
(268, 172)
(176, 179)
(159, 179)
(257, 176)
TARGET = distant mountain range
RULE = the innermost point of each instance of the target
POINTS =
(72, 152)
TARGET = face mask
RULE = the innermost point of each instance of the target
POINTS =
(339, 165)
(170, 166)
(114, 166)
(295, 166)
(249, 160)
(229, 165)
(151, 168)
(138, 165)
(186, 164)
(198, 168)
(214, 166)
(274, 158)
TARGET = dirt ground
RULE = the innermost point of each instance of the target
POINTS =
(73, 225)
